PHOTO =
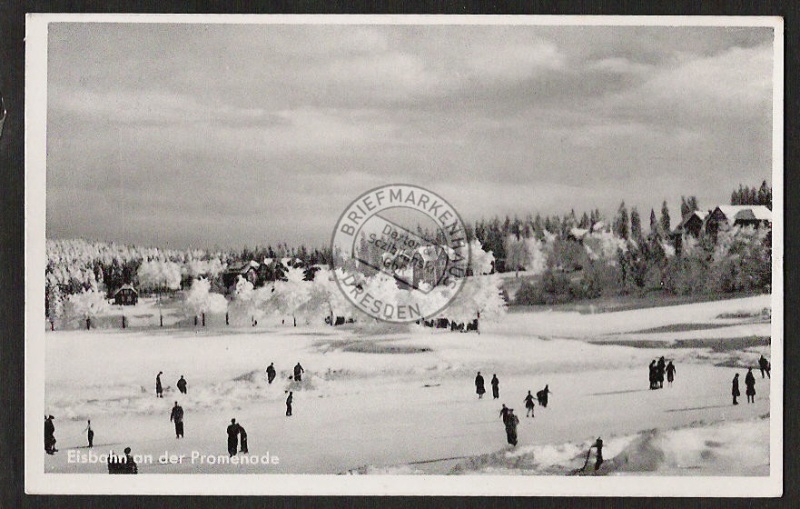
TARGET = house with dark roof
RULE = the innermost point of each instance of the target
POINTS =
(247, 270)
(691, 224)
(126, 295)
(756, 216)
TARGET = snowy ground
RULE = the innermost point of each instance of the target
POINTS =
(404, 402)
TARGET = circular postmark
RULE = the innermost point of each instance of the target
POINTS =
(400, 253)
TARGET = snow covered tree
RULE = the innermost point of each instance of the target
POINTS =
(55, 304)
(326, 297)
(290, 295)
(200, 300)
(86, 305)
(248, 303)
(480, 261)
(538, 254)
(621, 224)
(516, 253)
(481, 298)
(636, 225)
(665, 220)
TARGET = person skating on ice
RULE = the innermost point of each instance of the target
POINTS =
(49, 435)
(670, 373)
(298, 373)
(511, 427)
(660, 368)
(495, 387)
(243, 440)
(159, 388)
(764, 366)
(271, 372)
(182, 385)
(289, 405)
(504, 413)
(543, 395)
(89, 433)
(750, 384)
(176, 416)
(529, 405)
(480, 388)
(735, 388)
(233, 437)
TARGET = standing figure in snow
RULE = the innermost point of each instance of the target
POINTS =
(529, 405)
(660, 367)
(289, 405)
(233, 437)
(504, 413)
(176, 416)
(270, 372)
(49, 435)
(750, 384)
(735, 388)
(542, 396)
(159, 388)
(763, 364)
(243, 440)
(670, 373)
(298, 373)
(495, 387)
(653, 375)
(182, 385)
(511, 427)
(599, 458)
(89, 433)
(479, 386)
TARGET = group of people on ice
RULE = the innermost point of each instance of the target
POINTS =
(510, 419)
(297, 373)
(181, 384)
(236, 433)
(657, 370)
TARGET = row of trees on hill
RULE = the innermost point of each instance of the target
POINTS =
(302, 300)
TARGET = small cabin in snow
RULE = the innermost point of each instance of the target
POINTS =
(126, 295)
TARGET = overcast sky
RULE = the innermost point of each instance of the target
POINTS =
(232, 135)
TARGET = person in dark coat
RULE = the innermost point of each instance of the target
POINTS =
(159, 388)
(298, 373)
(122, 464)
(529, 405)
(289, 405)
(243, 440)
(182, 385)
(49, 435)
(735, 388)
(480, 388)
(660, 367)
(89, 433)
(271, 372)
(130, 465)
(653, 375)
(495, 387)
(233, 437)
(670, 373)
(750, 384)
(543, 395)
(176, 416)
(511, 427)
(763, 364)
(599, 458)
(504, 413)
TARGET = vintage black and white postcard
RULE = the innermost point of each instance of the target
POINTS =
(404, 255)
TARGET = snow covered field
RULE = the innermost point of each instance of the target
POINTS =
(405, 402)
